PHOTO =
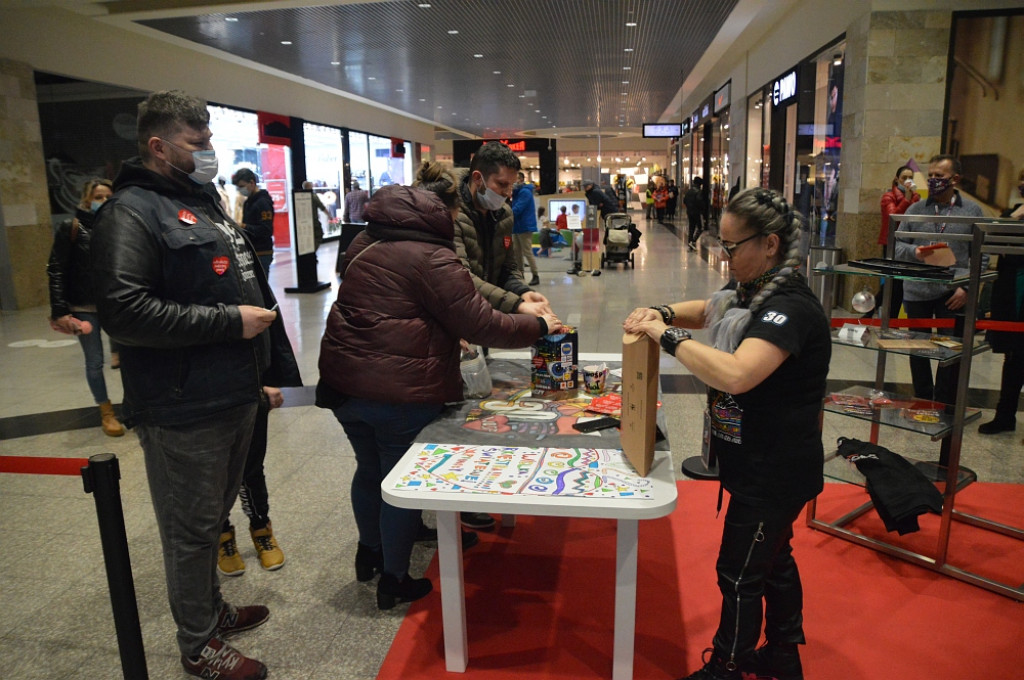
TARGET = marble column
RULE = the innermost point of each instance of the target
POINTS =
(25, 231)
(894, 95)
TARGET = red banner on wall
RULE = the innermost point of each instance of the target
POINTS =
(274, 128)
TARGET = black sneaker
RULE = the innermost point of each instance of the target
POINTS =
(534, 281)
(775, 662)
(477, 520)
(714, 668)
(425, 535)
(996, 426)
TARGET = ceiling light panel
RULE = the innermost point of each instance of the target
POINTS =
(574, 59)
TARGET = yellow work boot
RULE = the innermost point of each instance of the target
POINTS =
(271, 557)
(108, 421)
(229, 562)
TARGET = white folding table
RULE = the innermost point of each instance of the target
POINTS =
(627, 513)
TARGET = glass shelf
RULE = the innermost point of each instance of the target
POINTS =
(962, 276)
(943, 355)
(842, 470)
(915, 415)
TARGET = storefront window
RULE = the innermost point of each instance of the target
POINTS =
(359, 160)
(236, 141)
(384, 169)
(719, 190)
(755, 155)
(828, 116)
(324, 163)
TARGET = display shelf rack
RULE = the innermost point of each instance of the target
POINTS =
(930, 418)
(986, 237)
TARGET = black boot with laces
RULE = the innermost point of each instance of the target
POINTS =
(715, 668)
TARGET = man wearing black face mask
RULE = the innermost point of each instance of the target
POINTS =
(178, 286)
(938, 300)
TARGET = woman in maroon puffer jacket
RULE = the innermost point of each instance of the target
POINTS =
(389, 358)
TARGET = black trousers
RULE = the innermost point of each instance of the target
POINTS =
(1010, 387)
(696, 225)
(944, 387)
(759, 580)
(253, 492)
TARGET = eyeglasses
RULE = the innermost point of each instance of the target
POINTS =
(731, 247)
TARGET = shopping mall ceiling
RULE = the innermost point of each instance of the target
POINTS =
(482, 67)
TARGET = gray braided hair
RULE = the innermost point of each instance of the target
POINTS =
(766, 212)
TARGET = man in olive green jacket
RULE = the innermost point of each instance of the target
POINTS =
(483, 232)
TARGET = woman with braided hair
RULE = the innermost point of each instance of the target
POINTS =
(765, 369)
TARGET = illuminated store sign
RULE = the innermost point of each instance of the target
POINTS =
(784, 88)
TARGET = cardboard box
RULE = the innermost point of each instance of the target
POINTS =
(639, 400)
(554, 366)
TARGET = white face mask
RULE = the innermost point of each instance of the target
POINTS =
(244, 191)
(205, 162)
(489, 199)
(206, 166)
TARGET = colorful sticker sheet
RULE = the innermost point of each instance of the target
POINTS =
(459, 468)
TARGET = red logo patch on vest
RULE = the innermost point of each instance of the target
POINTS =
(508, 242)
(186, 217)
(220, 264)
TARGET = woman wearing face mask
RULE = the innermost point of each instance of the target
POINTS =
(257, 216)
(72, 298)
(901, 195)
(389, 358)
(1008, 305)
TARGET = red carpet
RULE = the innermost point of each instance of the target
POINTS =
(867, 616)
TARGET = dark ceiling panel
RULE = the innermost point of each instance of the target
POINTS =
(561, 63)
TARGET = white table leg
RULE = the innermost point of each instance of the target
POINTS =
(453, 600)
(626, 536)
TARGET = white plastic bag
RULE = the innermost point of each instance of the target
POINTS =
(476, 379)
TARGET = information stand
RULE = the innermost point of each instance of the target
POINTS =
(304, 244)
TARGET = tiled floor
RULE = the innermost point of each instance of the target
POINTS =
(56, 620)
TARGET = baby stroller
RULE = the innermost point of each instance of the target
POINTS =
(621, 237)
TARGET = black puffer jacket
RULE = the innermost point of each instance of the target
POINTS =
(69, 268)
(169, 280)
(404, 303)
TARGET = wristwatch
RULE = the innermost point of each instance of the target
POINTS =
(672, 337)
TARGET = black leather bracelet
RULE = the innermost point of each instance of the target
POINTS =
(667, 314)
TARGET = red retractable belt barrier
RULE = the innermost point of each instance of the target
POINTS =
(43, 466)
(982, 325)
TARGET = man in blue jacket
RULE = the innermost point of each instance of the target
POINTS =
(524, 224)
(179, 287)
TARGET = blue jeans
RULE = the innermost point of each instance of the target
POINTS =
(265, 261)
(92, 347)
(194, 472)
(380, 434)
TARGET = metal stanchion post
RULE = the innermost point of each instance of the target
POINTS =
(102, 479)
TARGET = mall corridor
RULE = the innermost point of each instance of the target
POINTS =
(324, 625)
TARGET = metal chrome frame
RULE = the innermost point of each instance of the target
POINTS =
(988, 236)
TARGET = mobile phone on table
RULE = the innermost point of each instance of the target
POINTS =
(596, 424)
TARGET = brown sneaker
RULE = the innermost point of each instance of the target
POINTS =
(229, 562)
(236, 619)
(222, 661)
(270, 554)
